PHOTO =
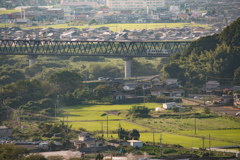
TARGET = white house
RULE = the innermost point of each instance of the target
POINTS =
(85, 140)
(170, 105)
(135, 143)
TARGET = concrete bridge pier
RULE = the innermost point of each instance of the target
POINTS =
(127, 66)
(31, 59)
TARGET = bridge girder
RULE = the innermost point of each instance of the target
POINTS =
(89, 48)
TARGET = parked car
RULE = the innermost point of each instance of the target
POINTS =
(196, 97)
(238, 114)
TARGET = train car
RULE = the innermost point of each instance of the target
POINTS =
(158, 51)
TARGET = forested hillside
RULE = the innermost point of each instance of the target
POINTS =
(216, 56)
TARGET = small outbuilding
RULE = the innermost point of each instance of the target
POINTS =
(158, 109)
(170, 105)
(135, 143)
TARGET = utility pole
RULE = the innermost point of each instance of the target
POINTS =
(195, 122)
(116, 73)
(203, 143)
(102, 130)
(205, 90)
(144, 96)
(153, 138)
(107, 125)
(67, 123)
(209, 143)
(161, 144)
(55, 111)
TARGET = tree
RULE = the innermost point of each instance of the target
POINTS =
(101, 91)
(187, 10)
(65, 80)
(138, 111)
(12, 152)
(214, 12)
(206, 110)
(92, 21)
(134, 134)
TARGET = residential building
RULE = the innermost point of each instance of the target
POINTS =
(5, 132)
(85, 140)
(55, 13)
(134, 4)
(135, 143)
(116, 143)
(169, 105)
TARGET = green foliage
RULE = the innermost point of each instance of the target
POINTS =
(9, 76)
(99, 156)
(101, 90)
(65, 80)
(150, 98)
(138, 111)
(215, 56)
(175, 109)
(206, 110)
(134, 134)
(12, 152)
(35, 157)
(55, 158)
(92, 21)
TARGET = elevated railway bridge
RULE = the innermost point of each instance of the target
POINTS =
(121, 49)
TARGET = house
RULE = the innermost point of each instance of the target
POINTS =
(5, 132)
(117, 95)
(213, 83)
(170, 105)
(85, 140)
(55, 13)
(22, 21)
(135, 143)
(173, 82)
(145, 85)
(130, 86)
(115, 143)
(183, 16)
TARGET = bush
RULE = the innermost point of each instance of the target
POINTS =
(138, 111)
(206, 110)
(36, 157)
(175, 109)
(169, 150)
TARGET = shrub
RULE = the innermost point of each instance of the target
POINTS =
(169, 150)
(175, 109)
(36, 157)
(206, 110)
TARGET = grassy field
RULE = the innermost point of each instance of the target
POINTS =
(129, 26)
(230, 135)
(170, 124)
(8, 11)
(112, 125)
(79, 108)
(5, 24)
(184, 141)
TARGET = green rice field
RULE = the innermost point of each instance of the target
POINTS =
(229, 135)
(184, 141)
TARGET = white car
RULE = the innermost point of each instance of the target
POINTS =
(238, 114)
(196, 97)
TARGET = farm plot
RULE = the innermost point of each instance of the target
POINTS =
(184, 141)
(108, 107)
(229, 135)
(112, 126)
(175, 124)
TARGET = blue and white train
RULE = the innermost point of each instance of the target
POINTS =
(158, 51)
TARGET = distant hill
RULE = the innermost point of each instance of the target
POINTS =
(216, 56)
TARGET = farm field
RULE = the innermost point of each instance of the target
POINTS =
(8, 11)
(230, 135)
(184, 141)
(6, 24)
(112, 126)
(174, 124)
(93, 118)
(128, 26)
(108, 107)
